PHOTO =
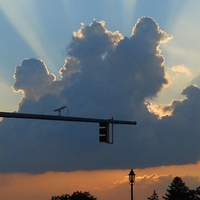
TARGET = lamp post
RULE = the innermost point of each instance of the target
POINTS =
(131, 181)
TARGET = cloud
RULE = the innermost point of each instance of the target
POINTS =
(160, 110)
(93, 41)
(32, 79)
(181, 69)
(105, 75)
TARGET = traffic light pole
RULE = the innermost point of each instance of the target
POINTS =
(64, 118)
(103, 123)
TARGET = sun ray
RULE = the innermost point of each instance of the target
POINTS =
(182, 19)
(128, 14)
(23, 18)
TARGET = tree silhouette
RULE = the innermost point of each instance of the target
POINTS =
(198, 192)
(154, 196)
(63, 197)
(75, 196)
(195, 194)
(177, 190)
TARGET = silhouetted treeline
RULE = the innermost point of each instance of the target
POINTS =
(178, 191)
(75, 196)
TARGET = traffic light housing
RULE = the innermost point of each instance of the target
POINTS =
(104, 135)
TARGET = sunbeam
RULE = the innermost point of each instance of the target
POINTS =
(128, 13)
(23, 17)
(181, 48)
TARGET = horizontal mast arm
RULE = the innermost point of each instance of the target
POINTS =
(63, 118)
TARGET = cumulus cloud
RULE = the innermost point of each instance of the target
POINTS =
(71, 68)
(32, 78)
(93, 41)
(105, 75)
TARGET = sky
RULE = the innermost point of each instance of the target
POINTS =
(130, 60)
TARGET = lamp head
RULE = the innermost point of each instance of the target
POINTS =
(131, 177)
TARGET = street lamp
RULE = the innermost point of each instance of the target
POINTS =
(131, 181)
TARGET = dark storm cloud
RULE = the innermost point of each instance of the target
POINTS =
(106, 75)
(180, 132)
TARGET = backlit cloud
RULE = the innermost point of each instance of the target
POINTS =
(160, 110)
(105, 75)
(32, 78)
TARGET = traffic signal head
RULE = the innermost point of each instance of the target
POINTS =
(104, 132)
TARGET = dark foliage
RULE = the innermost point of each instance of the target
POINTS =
(75, 196)
(195, 194)
(154, 196)
(179, 191)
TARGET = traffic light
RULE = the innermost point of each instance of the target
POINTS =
(104, 132)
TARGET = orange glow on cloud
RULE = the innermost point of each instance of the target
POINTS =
(103, 184)
(181, 69)
(160, 110)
